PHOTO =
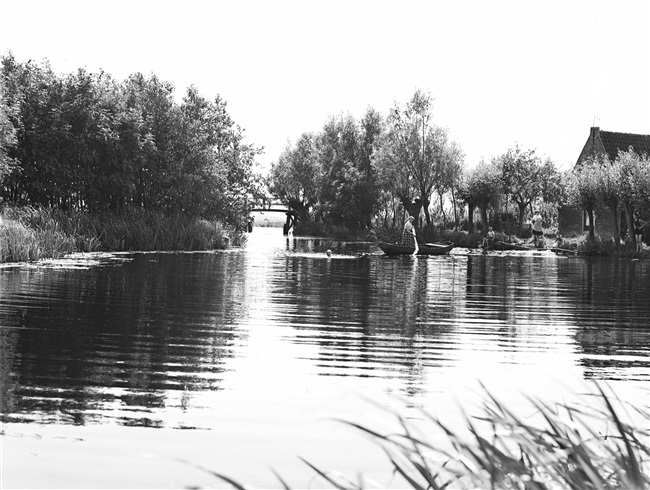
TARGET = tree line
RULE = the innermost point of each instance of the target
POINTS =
(371, 172)
(87, 142)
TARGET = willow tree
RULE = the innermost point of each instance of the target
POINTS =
(584, 188)
(294, 177)
(522, 177)
(609, 186)
(448, 171)
(414, 154)
(481, 188)
(635, 184)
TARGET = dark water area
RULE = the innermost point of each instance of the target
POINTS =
(266, 339)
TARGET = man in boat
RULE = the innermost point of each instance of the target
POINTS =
(538, 230)
(409, 239)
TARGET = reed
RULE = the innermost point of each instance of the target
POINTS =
(29, 234)
(565, 446)
(22, 243)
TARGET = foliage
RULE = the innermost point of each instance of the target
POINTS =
(294, 177)
(86, 142)
(7, 135)
(635, 182)
(416, 157)
(481, 188)
(526, 180)
(347, 180)
(584, 189)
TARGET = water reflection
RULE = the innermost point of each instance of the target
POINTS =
(133, 341)
(80, 345)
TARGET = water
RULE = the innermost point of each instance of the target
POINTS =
(130, 370)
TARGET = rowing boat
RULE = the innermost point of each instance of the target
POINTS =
(424, 248)
(499, 245)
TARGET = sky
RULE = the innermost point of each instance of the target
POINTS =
(537, 74)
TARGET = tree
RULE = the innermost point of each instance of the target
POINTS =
(7, 136)
(372, 127)
(293, 177)
(448, 170)
(634, 185)
(609, 183)
(337, 147)
(482, 188)
(584, 190)
(522, 176)
(86, 142)
(414, 154)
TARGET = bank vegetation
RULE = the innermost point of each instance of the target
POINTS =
(91, 163)
(363, 177)
(88, 162)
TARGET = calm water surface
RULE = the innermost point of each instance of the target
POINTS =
(130, 370)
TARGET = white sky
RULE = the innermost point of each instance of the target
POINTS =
(536, 73)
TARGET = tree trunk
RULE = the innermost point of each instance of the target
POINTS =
(442, 210)
(470, 218)
(629, 218)
(425, 204)
(592, 234)
(484, 216)
(617, 229)
(455, 205)
(522, 213)
(300, 208)
(412, 208)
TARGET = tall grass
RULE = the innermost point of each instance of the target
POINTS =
(28, 234)
(587, 445)
(19, 242)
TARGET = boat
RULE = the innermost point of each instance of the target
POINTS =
(424, 248)
(504, 246)
(500, 245)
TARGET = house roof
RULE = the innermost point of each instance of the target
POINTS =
(613, 142)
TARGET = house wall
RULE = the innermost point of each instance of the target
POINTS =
(569, 221)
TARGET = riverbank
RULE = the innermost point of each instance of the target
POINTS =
(580, 245)
(29, 234)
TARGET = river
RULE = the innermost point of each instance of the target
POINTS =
(150, 370)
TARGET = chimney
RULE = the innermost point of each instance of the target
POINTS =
(595, 131)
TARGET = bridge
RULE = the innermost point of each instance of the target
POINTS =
(278, 206)
(273, 205)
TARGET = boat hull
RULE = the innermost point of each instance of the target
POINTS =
(499, 245)
(425, 249)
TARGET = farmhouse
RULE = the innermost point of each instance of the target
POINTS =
(572, 221)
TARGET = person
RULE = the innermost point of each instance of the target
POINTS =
(638, 233)
(409, 238)
(489, 238)
(538, 230)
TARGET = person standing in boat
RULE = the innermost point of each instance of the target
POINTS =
(538, 230)
(409, 238)
(638, 233)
